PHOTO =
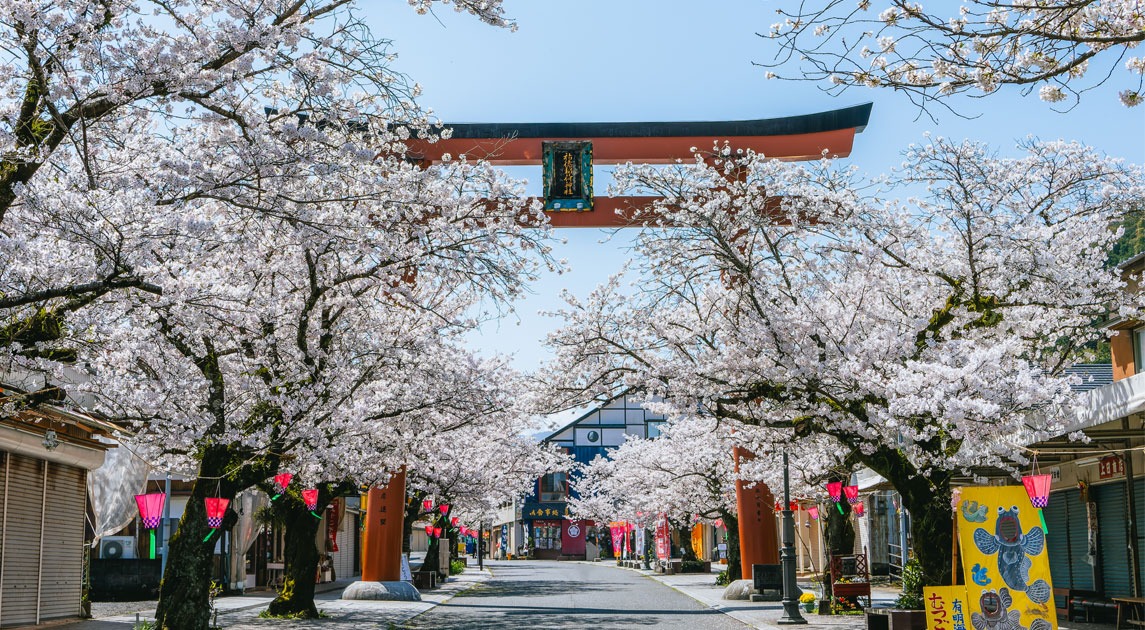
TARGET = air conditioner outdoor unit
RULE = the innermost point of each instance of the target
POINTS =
(117, 548)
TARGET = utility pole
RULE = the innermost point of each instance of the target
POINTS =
(480, 545)
(165, 531)
(791, 614)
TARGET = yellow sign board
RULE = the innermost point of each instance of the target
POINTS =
(945, 607)
(1005, 561)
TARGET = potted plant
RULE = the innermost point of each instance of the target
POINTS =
(909, 612)
(808, 600)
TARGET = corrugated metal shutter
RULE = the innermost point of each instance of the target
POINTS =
(1081, 572)
(1057, 538)
(22, 551)
(1112, 539)
(1139, 498)
(61, 588)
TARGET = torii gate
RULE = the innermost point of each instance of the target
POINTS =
(568, 151)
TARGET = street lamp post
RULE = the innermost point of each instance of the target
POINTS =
(791, 614)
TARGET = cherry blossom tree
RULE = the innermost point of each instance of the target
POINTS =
(81, 78)
(924, 337)
(1059, 48)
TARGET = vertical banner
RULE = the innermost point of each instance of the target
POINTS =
(618, 542)
(640, 541)
(1005, 560)
(945, 607)
(663, 538)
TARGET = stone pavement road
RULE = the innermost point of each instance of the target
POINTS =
(543, 594)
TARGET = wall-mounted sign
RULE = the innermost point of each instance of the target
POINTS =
(1110, 466)
(567, 176)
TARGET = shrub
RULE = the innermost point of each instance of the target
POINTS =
(692, 566)
(456, 567)
(911, 598)
(723, 579)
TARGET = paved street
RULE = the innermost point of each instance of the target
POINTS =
(540, 594)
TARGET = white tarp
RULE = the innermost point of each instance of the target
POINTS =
(112, 488)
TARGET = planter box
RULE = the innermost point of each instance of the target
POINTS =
(893, 619)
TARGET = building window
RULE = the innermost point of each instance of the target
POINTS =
(554, 487)
(1139, 350)
(654, 429)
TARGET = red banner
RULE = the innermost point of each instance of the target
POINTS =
(663, 538)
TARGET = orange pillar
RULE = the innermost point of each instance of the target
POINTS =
(757, 532)
(382, 538)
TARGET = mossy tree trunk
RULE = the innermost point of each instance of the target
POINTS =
(927, 498)
(302, 556)
(184, 594)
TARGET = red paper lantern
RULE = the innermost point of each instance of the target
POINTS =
(216, 509)
(858, 509)
(427, 505)
(310, 498)
(1038, 487)
(814, 512)
(852, 494)
(281, 481)
(150, 508)
(835, 490)
(437, 532)
(444, 508)
(453, 521)
(429, 530)
(150, 511)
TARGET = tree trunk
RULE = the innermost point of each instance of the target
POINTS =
(301, 558)
(686, 551)
(731, 522)
(184, 594)
(927, 498)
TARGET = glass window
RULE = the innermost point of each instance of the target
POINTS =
(554, 487)
(1139, 350)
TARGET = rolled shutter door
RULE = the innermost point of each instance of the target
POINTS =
(1057, 538)
(62, 585)
(1081, 572)
(1116, 578)
(22, 545)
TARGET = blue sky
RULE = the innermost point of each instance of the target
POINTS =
(655, 60)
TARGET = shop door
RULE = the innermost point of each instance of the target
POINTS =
(1117, 579)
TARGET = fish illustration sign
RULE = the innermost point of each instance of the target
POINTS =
(1005, 560)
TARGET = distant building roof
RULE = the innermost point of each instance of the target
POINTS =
(1093, 375)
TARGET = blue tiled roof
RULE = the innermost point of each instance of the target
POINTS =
(1093, 375)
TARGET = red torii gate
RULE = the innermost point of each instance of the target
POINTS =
(804, 137)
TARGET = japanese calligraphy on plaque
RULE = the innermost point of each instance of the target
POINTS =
(567, 176)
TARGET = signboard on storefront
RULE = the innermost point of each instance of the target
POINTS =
(544, 511)
(1111, 466)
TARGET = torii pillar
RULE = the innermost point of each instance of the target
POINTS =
(383, 516)
(757, 530)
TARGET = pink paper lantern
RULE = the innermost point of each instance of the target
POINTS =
(437, 532)
(858, 509)
(835, 490)
(852, 494)
(281, 481)
(150, 508)
(216, 509)
(427, 505)
(443, 508)
(1038, 487)
(453, 521)
(814, 512)
(310, 498)
(429, 530)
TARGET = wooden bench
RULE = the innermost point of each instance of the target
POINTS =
(1094, 606)
(424, 580)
